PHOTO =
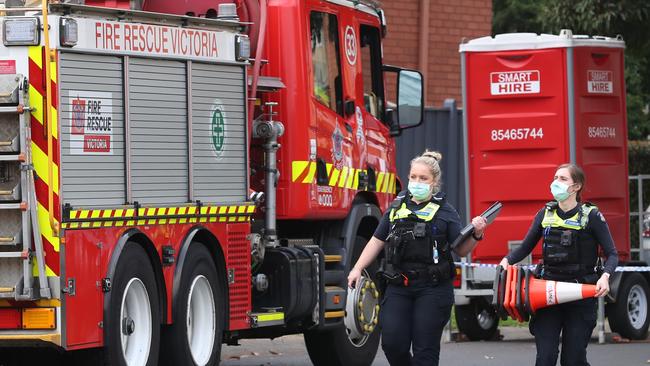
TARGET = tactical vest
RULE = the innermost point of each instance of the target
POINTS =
(569, 252)
(414, 248)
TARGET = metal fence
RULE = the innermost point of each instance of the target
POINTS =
(441, 131)
(640, 249)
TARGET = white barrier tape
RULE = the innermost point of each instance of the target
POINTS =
(489, 265)
(632, 269)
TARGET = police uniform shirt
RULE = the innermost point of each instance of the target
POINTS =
(447, 219)
(596, 227)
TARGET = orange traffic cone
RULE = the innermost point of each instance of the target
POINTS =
(518, 294)
(543, 293)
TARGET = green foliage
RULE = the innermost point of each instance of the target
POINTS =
(512, 16)
(639, 157)
(628, 18)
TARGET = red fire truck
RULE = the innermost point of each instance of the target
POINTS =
(533, 102)
(177, 175)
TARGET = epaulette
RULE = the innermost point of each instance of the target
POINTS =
(552, 205)
(401, 197)
(439, 200)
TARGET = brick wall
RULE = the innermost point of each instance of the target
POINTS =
(449, 23)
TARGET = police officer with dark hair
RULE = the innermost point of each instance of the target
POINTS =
(415, 234)
(572, 231)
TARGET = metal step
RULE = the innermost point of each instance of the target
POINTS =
(17, 109)
(23, 255)
(7, 292)
(7, 239)
(13, 206)
(334, 277)
(13, 157)
(333, 258)
(334, 314)
(20, 235)
(299, 242)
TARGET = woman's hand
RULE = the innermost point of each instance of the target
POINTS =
(602, 286)
(354, 277)
(504, 262)
(479, 224)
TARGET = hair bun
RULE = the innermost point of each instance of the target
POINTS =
(432, 154)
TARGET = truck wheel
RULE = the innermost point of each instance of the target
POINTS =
(195, 336)
(132, 317)
(478, 320)
(629, 314)
(344, 346)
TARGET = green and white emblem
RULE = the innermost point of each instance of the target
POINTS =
(218, 130)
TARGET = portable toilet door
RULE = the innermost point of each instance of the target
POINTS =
(531, 103)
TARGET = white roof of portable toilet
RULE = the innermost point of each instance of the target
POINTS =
(533, 41)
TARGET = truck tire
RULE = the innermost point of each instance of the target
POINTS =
(132, 314)
(196, 334)
(336, 347)
(628, 316)
(478, 320)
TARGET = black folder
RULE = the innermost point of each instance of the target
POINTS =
(490, 214)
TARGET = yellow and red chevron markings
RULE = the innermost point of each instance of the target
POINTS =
(346, 177)
(83, 219)
(39, 122)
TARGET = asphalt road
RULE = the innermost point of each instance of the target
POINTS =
(516, 348)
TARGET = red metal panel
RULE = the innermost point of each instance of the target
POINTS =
(517, 136)
(601, 137)
(83, 310)
(238, 259)
(10, 319)
(88, 264)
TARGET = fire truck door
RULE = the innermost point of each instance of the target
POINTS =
(334, 135)
(370, 93)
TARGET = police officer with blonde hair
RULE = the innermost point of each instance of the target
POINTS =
(571, 232)
(416, 234)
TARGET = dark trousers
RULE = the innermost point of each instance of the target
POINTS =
(414, 316)
(575, 320)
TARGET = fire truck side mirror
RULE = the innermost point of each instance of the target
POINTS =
(410, 99)
(408, 111)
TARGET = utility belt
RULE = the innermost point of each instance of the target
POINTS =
(579, 273)
(414, 273)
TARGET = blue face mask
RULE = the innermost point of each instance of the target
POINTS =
(420, 191)
(560, 191)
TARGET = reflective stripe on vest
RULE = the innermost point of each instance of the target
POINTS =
(575, 222)
(425, 214)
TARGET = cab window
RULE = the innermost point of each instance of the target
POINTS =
(373, 84)
(326, 66)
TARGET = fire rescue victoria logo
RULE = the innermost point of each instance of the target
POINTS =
(91, 123)
(350, 45)
(218, 130)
